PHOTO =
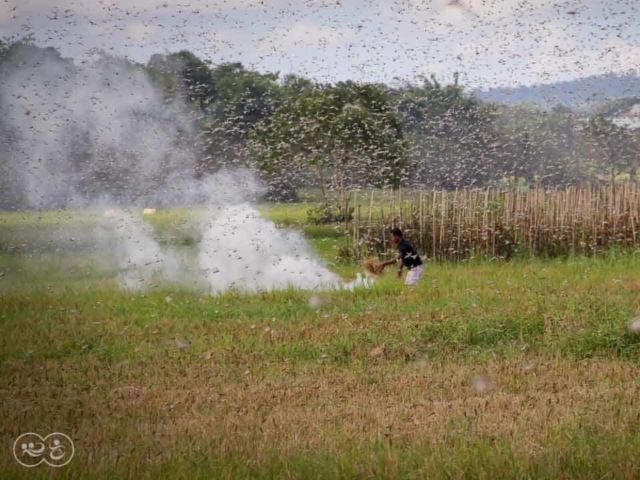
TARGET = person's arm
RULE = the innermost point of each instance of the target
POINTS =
(395, 260)
(392, 261)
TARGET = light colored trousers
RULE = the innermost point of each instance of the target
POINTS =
(414, 275)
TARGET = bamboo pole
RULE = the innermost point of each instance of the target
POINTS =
(421, 220)
(356, 218)
(433, 230)
(577, 220)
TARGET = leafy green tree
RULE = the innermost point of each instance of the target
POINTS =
(519, 141)
(559, 163)
(608, 145)
(244, 98)
(538, 146)
(453, 135)
(347, 135)
(294, 85)
(189, 73)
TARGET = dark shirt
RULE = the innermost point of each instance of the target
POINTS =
(409, 254)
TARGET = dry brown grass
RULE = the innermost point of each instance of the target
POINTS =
(380, 381)
(373, 266)
(165, 411)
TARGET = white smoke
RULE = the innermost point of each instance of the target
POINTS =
(244, 251)
(82, 132)
(104, 134)
(140, 259)
(238, 249)
(241, 250)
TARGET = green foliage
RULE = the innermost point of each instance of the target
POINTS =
(539, 146)
(609, 146)
(302, 134)
(244, 98)
(190, 73)
(337, 137)
(453, 135)
(327, 213)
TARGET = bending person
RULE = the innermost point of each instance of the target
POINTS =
(408, 257)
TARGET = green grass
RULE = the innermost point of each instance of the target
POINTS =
(457, 310)
(474, 458)
(376, 383)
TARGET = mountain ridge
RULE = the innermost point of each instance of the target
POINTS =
(584, 93)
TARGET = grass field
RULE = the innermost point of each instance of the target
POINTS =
(492, 370)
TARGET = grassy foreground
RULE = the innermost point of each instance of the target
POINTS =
(517, 370)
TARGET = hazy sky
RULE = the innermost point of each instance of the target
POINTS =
(490, 42)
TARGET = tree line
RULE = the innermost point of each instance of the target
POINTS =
(334, 137)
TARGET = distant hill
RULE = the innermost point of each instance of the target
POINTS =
(585, 93)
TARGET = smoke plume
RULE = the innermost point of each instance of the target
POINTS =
(241, 250)
(103, 136)
(80, 133)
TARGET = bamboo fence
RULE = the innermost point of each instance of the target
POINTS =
(499, 223)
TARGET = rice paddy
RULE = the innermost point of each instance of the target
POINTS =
(521, 369)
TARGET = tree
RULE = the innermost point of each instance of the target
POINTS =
(293, 86)
(245, 98)
(193, 75)
(347, 135)
(608, 145)
(538, 146)
(453, 135)
(558, 146)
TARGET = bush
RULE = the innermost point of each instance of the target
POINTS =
(327, 213)
(281, 192)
